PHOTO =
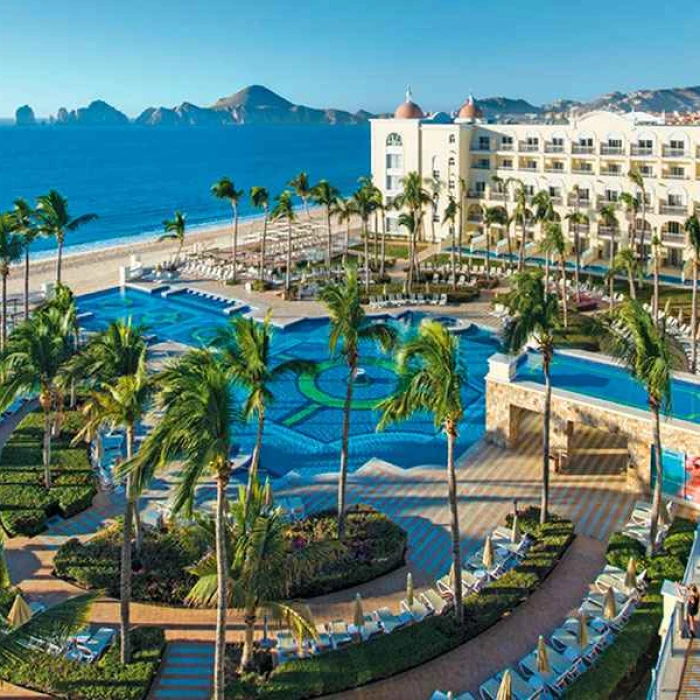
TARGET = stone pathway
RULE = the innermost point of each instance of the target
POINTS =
(186, 672)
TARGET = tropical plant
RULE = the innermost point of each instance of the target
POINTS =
(435, 185)
(260, 198)
(449, 217)
(431, 379)
(625, 261)
(259, 567)
(521, 217)
(656, 263)
(28, 229)
(414, 198)
(543, 211)
(535, 315)
(325, 195)
(646, 350)
(692, 227)
(245, 346)
(343, 210)
(196, 394)
(225, 189)
(555, 245)
(363, 204)
(303, 189)
(632, 204)
(493, 216)
(635, 175)
(175, 229)
(55, 220)
(284, 210)
(5, 578)
(608, 218)
(348, 327)
(576, 219)
(506, 184)
(11, 245)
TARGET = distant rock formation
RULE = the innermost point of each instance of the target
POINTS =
(186, 114)
(97, 113)
(24, 116)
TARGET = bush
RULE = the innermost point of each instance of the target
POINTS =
(406, 648)
(621, 666)
(106, 679)
(25, 504)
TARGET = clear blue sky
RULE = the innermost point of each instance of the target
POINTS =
(341, 53)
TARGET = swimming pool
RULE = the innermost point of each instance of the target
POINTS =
(303, 425)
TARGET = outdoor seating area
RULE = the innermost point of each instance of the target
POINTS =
(387, 301)
(90, 644)
(680, 328)
(638, 526)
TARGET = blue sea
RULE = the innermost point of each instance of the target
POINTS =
(135, 177)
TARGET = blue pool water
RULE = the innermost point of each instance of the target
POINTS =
(303, 424)
(609, 382)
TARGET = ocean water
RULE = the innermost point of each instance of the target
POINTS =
(135, 177)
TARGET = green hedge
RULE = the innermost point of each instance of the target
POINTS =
(105, 679)
(25, 504)
(406, 648)
(622, 665)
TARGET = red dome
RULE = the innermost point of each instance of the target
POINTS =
(470, 110)
(408, 109)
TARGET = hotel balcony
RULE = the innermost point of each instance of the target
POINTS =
(553, 148)
(501, 166)
(611, 150)
(673, 209)
(678, 239)
(642, 151)
(481, 147)
(611, 172)
(583, 202)
(497, 196)
(580, 228)
(528, 166)
(603, 201)
(475, 194)
(550, 169)
(506, 147)
(557, 199)
(670, 152)
(578, 149)
(582, 170)
(608, 232)
(481, 166)
(525, 147)
(674, 176)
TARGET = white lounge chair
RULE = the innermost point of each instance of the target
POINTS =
(418, 610)
(389, 621)
(521, 689)
(433, 600)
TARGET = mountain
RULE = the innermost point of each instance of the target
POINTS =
(186, 114)
(686, 99)
(97, 113)
(495, 106)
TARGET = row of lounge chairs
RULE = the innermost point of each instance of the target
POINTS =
(88, 646)
(391, 300)
(638, 526)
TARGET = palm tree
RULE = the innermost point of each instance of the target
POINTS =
(225, 189)
(5, 578)
(692, 227)
(555, 245)
(435, 186)
(121, 404)
(260, 198)
(608, 218)
(11, 245)
(303, 189)
(348, 328)
(414, 198)
(408, 221)
(32, 360)
(325, 195)
(284, 209)
(493, 216)
(363, 204)
(535, 314)
(196, 393)
(175, 229)
(462, 204)
(506, 183)
(56, 221)
(544, 210)
(28, 230)
(521, 216)
(656, 262)
(450, 216)
(631, 203)
(635, 175)
(259, 568)
(431, 379)
(245, 346)
(644, 347)
(343, 210)
(577, 218)
(626, 261)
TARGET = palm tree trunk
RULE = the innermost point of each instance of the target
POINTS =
(564, 295)
(365, 235)
(235, 244)
(488, 254)
(611, 272)
(510, 243)
(453, 257)
(47, 447)
(644, 231)
(521, 251)
(3, 328)
(544, 506)
(346, 246)
(222, 577)
(345, 446)
(375, 240)
(255, 461)
(263, 243)
(694, 319)
(577, 263)
(546, 271)
(330, 239)
(249, 618)
(59, 260)
(655, 296)
(451, 432)
(656, 500)
(26, 283)
(382, 263)
(630, 279)
(125, 575)
(288, 275)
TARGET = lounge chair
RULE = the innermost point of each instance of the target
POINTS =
(565, 639)
(340, 634)
(388, 620)
(469, 583)
(370, 629)
(439, 695)
(617, 581)
(563, 670)
(98, 643)
(419, 611)
(323, 640)
(434, 601)
(521, 689)
(287, 646)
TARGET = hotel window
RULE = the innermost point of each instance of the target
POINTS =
(611, 195)
(394, 161)
(507, 142)
(480, 188)
(529, 190)
(676, 200)
(392, 224)
(615, 143)
(450, 184)
(554, 191)
(558, 141)
(646, 170)
(507, 163)
(483, 163)
(394, 140)
(530, 165)
(393, 182)
(436, 218)
(451, 161)
(484, 143)
(436, 174)
(583, 194)
(676, 171)
(586, 142)
(614, 169)
(532, 141)
(676, 145)
(558, 165)
(674, 227)
(451, 138)
(645, 144)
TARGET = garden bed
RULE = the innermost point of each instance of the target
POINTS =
(25, 504)
(373, 546)
(388, 655)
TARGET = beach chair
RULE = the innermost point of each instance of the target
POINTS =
(340, 634)
(388, 620)
(287, 646)
(433, 600)
(98, 643)
(522, 689)
(323, 641)
(419, 610)
(563, 670)
(439, 695)
(469, 581)
(617, 581)
(370, 629)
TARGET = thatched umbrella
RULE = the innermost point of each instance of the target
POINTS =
(543, 666)
(667, 308)
(487, 559)
(267, 494)
(631, 575)
(19, 613)
(515, 530)
(582, 636)
(505, 690)
(609, 607)
(409, 589)
(359, 613)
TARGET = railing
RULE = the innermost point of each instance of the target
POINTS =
(577, 148)
(528, 147)
(578, 170)
(475, 218)
(611, 171)
(474, 194)
(674, 209)
(481, 147)
(506, 147)
(556, 199)
(674, 176)
(671, 237)
(482, 166)
(504, 167)
(582, 202)
(672, 151)
(550, 169)
(528, 166)
(499, 196)
(642, 151)
(607, 231)
(554, 148)
(611, 150)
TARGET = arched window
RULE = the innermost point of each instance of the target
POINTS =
(451, 138)
(394, 139)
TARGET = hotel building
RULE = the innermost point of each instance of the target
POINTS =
(583, 162)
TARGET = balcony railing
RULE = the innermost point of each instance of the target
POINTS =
(482, 166)
(556, 199)
(498, 196)
(674, 176)
(505, 167)
(580, 228)
(642, 151)
(506, 147)
(475, 218)
(613, 172)
(607, 231)
(670, 237)
(483, 147)
(528, 166)
(673, 152)
(611, 150)
(603, 201)
(528, 147)
(582, 202)
(578, 148)
(673, 209)
(550, 169)
(554, 148)
(578, 170)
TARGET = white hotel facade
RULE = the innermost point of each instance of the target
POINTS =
(594, 151)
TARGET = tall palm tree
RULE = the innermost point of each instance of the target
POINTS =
(521, 216)
(608, 218)
(303, 189)
(121, 404)
(259, 568)
(692, 227)
(635, 175)
(260, 198)
(245, 346)
(28, 229)
(577, 218)
(626, 261)
(644, 347)
(11, 246)
(450, 217)
(656, 263)
(363, 204)
(5, 578)
(175, 229)
(343, 210)
(554, 245)
(408, 221)
(284, 210)
(435, 185)
(349, 327)
(55, 220)
(379, 208)
(196, 393)
(493, 216)
(225, 189)
(31, 363)
(414, 198)
(506, 184)
(535, 314)
(431, 379)
(325, 195)
(543, 211)
(631, 203)
(462, 185)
